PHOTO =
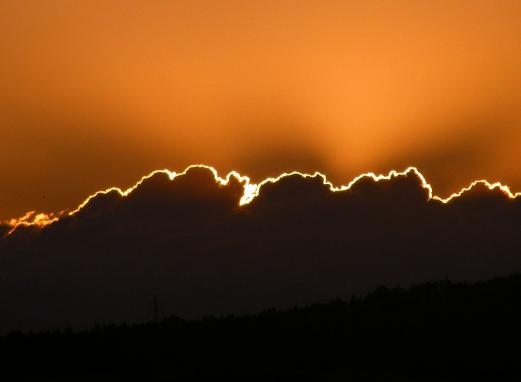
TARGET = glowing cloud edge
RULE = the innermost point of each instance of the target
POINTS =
(252, 190)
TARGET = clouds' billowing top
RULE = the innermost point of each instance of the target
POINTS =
(188, 242)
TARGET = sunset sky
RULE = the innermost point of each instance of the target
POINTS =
(98, 93)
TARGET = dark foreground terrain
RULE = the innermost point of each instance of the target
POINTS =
(435, 331)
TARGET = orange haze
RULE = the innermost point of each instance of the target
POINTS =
(97, 93)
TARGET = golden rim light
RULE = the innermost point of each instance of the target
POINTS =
(251, 190)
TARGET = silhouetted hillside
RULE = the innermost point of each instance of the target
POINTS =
(434, 331)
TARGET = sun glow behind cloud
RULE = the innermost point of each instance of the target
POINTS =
(251, 190)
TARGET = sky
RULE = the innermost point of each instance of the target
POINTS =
(98, 93)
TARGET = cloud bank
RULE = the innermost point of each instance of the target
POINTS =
(296, 239)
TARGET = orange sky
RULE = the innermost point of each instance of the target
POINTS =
(98, 93)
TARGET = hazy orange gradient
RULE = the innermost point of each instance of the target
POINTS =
(97, 93)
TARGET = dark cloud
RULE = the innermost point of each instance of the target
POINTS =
(188, 242)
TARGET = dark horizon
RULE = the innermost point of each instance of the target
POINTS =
(435, 331)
